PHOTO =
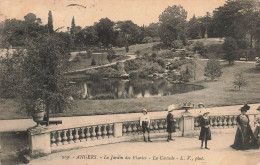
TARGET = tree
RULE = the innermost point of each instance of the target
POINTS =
(73, 28)
(213, 69)
(50, 22)
(230, 49)
(43, 74)
(200, 48)
(193, 28)
(105, 31)
(172, 24)
(239, 80)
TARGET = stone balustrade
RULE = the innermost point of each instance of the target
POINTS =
(218, 122)
(156, 126)
(79, 132)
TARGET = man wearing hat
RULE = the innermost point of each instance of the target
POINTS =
(170, 123)
(244, 138)
(205, 133)
(145, 124)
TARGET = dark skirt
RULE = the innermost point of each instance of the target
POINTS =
(244, 139)
(205, 134)
(170, 123)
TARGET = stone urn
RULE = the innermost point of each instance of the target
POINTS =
(39, 111)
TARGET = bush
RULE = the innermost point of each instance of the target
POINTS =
(161, 62)
(177, 44)
(215, 49)
(77, 59)
(200, 48)
(93, 62)
(242, 44)
(158, 46)
(147, 40)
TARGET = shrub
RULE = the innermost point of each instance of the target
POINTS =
(177, 44)
(200, 48)
(93, 62)
(77, 59)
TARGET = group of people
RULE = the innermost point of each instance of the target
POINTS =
(244, 138)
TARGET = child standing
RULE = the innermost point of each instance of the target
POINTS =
(205, 133)
(145, 124)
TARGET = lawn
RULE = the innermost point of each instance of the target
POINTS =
(216, 93)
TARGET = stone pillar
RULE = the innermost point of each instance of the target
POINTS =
(39, 141)
(118, 129)
(187, 124)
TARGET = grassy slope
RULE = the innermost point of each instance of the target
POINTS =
(216, 93)
(102, 59)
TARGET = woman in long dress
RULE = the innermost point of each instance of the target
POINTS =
(257, 129)
(244, 138)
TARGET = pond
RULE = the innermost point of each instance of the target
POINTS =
(133, 88)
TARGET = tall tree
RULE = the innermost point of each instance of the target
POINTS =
(193, 28)
(73, 28)
(172, 24)
(50, 22)
(230, 49)
(105, 30)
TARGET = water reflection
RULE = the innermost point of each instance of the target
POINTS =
(134, 88)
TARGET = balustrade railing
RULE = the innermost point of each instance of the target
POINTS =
(81, 134)
(218, 122)
(124, 127)
(156, 126)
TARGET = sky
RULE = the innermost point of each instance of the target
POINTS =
(86, 12)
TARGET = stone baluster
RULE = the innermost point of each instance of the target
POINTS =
(224, 122)
(65, 138)
(229, 123)
(151, 126)
(71, 136)
(76, 137)
(234, 122)
(104, 133)
(99, 133)
(161, 126)
(110, 131)
(82, 135)
(88, 133)
(139, 129)
(53, 140)
(215, 123)
(93, 133)
(220, 123)
(134, 128)
(59, 138)
(129, 129)
(156, 126)
(124, 130)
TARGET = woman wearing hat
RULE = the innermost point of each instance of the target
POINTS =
(145, 124)
(205, 133)
(257, 129)
(244, 138)
(170, 123)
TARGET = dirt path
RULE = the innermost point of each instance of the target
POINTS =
(131, 57)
